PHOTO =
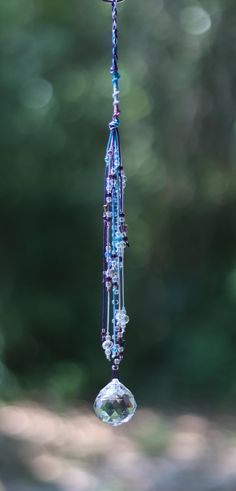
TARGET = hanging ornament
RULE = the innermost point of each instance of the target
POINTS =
(115, 404)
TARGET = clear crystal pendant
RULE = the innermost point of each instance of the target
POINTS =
(115, 404)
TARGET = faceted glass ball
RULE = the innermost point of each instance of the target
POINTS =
(115, 404)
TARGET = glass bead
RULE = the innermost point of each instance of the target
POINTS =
(118, 315)
(108, 354)
(107, 344)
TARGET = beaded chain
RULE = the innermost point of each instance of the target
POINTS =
(115, 240)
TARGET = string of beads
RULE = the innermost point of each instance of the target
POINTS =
(115, 239)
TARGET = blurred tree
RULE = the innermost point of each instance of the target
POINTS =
(178, 130)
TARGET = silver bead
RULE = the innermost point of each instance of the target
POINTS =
(108, 354)
(119, 315)
(107, 345)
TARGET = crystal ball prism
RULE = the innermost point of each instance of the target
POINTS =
(115, 404)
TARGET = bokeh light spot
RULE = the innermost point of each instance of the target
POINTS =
(73, 85)
(37, 93)
(195, 20)
(138, 105)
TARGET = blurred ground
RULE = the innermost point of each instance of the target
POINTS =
(42, 450)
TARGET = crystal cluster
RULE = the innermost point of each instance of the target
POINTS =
(115, 404)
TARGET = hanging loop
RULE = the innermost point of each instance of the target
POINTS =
(110, 1)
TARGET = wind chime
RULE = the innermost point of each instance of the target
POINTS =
(115, 404)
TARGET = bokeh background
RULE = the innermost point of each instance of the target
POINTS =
(178, 97)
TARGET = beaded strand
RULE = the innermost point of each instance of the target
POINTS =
(115, 239)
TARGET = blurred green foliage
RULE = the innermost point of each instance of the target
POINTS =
(177, 63)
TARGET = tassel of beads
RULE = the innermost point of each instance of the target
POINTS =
(115, 238)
